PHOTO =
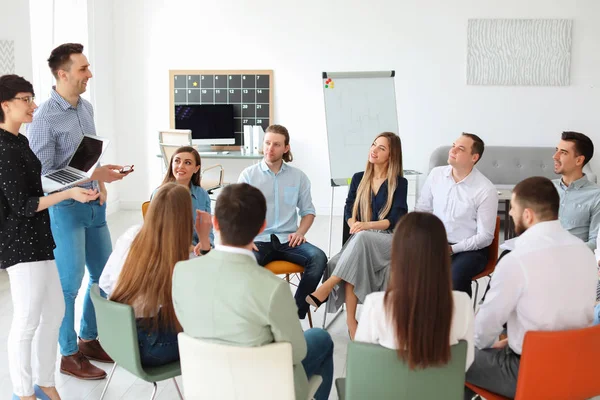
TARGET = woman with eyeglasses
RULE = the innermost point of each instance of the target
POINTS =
(26, 248)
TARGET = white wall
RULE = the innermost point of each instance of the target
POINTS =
(14, 25)
(100, 53)
(424, 41)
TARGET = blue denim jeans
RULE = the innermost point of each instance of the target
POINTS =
(597, 314)
(307, 255)
(82, 239)
(156, 347)
(319, 359)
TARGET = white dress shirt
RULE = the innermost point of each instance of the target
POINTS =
(376, 327)
(548, 283)
(467, 208)
(235, 250)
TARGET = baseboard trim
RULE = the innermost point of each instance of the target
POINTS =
(113, 207)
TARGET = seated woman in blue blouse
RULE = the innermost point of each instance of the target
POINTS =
(376, 201)
(185, 170)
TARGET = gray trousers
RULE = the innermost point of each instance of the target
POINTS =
(495, 370)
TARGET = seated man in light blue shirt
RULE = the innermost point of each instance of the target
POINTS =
(287, 190)
(579, 211)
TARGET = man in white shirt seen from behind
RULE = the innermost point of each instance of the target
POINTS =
(548, 282)
(467, 203)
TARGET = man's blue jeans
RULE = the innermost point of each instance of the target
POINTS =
(306, 255)
(597, 314)
(82, 239)
(319, 359)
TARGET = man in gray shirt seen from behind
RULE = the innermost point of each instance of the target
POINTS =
(579, 211)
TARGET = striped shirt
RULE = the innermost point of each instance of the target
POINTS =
(56, 130)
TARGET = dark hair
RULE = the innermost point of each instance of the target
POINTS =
(282, 130)
(240, 211)
(169, 177)
(583, 144)
(60, 58)
(10, 86)
(540, 195)
(478, 145)
(419, 294)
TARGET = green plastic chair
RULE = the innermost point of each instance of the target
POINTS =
(117, 333)
(375, 372)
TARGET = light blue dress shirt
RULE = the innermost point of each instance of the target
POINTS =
(200, 201)
(56, 130)
(579, 211)
(287, 194)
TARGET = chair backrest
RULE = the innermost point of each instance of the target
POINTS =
(167, 151)
(212, 177)
(509, 165)
(375, 372)
(145, 206)
(493, 253)
(560, 365)
(179, 137)
(117, 332)
(218, 371)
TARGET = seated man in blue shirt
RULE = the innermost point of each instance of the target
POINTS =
(579, 211)
(286, 189)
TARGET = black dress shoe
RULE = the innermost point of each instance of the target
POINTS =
(313, 301)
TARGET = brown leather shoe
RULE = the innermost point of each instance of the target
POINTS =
(80, 367)
(93, 350)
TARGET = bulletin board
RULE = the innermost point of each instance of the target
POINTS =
(249, 91)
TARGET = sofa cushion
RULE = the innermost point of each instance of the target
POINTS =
(506, 166)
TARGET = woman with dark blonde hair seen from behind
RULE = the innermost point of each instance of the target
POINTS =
(184, 169)
(144, 277)
(376, 200)
(419, 314)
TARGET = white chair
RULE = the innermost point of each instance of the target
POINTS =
(181, 137)
(217, 371)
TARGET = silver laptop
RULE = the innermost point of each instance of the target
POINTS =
(81, 166)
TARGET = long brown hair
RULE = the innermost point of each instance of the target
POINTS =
(419, 295)
(282, 130)
(394, 170)
(164, 240)
(169, 177)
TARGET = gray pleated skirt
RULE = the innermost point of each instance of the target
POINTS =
(364, 262)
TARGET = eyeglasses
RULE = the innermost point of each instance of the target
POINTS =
(26, 99)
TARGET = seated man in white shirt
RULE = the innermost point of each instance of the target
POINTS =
(467, 203)
(547, 260)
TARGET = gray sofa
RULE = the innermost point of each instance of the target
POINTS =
(506, 166)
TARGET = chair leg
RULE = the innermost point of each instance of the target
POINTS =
(324, 318)
(154, 391)
(475, 297)
(309, 318)
(110, 375)
(177, 387)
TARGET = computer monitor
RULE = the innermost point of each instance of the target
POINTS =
(211, 124)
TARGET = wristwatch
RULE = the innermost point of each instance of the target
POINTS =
(205, 252)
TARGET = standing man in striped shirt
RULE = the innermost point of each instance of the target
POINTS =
(80, 231)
